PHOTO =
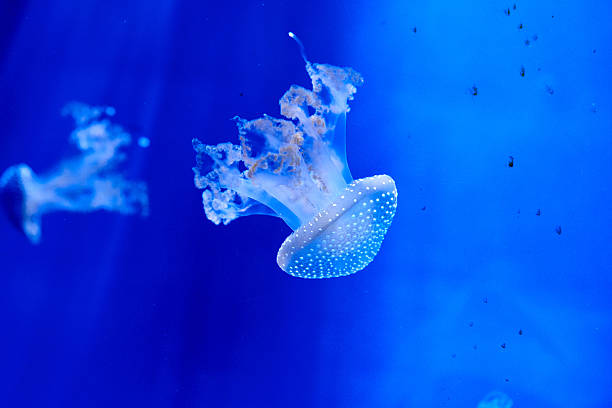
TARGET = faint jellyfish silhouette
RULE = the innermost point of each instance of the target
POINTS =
(496, 399)
(296, 169)
(83, 183)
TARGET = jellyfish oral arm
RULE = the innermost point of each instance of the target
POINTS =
(295, 166)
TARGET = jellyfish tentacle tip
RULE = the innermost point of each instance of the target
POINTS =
(302, 49)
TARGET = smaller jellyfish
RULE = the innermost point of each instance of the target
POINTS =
(87, 182)
(296, 169)
(496, 399)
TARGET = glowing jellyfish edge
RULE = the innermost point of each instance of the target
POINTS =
(297, 170)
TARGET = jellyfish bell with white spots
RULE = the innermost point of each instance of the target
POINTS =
(296, 169)
(87, 182)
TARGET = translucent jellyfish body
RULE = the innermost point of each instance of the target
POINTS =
(84, 183)
(296, 169)
(496, 399)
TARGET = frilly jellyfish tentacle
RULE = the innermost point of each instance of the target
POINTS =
(296, 168)
(86, 183)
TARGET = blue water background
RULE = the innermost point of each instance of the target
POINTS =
(173, 311)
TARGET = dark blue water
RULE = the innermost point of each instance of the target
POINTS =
(471, 292)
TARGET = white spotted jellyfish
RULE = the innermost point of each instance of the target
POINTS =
(296, 169)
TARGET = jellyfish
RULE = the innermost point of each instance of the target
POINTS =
(496, 399)
(87, 182)
(296, 169)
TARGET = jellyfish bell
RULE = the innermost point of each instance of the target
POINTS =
(344, 237)
(18, 187)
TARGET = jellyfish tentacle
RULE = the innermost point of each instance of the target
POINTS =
(302, 50)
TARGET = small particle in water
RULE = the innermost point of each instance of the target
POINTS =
(453, 355)
(475, 346)
(424, 208)
(520, 27)
(144, 142)
(594, 107)
(503, 345)
(514, 6)
(471, 324)
(520, 332)
(535, 37)
(518, 211)
(414, 30)
(507, 380)
(241, 93)
(538, 212)
(522, 71)
(474, 90)
(550, 90)
(558, 230)
(507, 12)
(527, 43)
(511, 161)
(594, 51)
(110, 111)
(485, 300)
(553, 17)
